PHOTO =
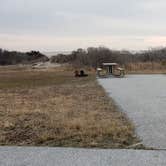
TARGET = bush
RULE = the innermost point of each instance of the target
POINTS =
(14, 57)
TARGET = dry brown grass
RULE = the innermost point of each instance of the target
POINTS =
(55, 109)
(146, 68)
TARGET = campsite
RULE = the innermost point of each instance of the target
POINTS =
(82, 83)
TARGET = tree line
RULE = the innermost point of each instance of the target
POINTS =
(94, 57)
(15, 57)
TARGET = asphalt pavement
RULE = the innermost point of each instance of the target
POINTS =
(33, 156)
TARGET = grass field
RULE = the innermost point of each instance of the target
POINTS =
(53, 108)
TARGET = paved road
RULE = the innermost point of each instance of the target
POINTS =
(21, 156)
(143, 98)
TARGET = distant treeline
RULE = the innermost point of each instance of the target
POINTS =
(14, 57)
(94, 57)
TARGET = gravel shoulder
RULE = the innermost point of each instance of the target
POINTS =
(143, 99)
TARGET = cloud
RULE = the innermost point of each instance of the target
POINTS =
(82, 19)
(52, 43)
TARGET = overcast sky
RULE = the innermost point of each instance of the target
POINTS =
(59, 25)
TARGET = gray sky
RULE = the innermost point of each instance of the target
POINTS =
(57, 25)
